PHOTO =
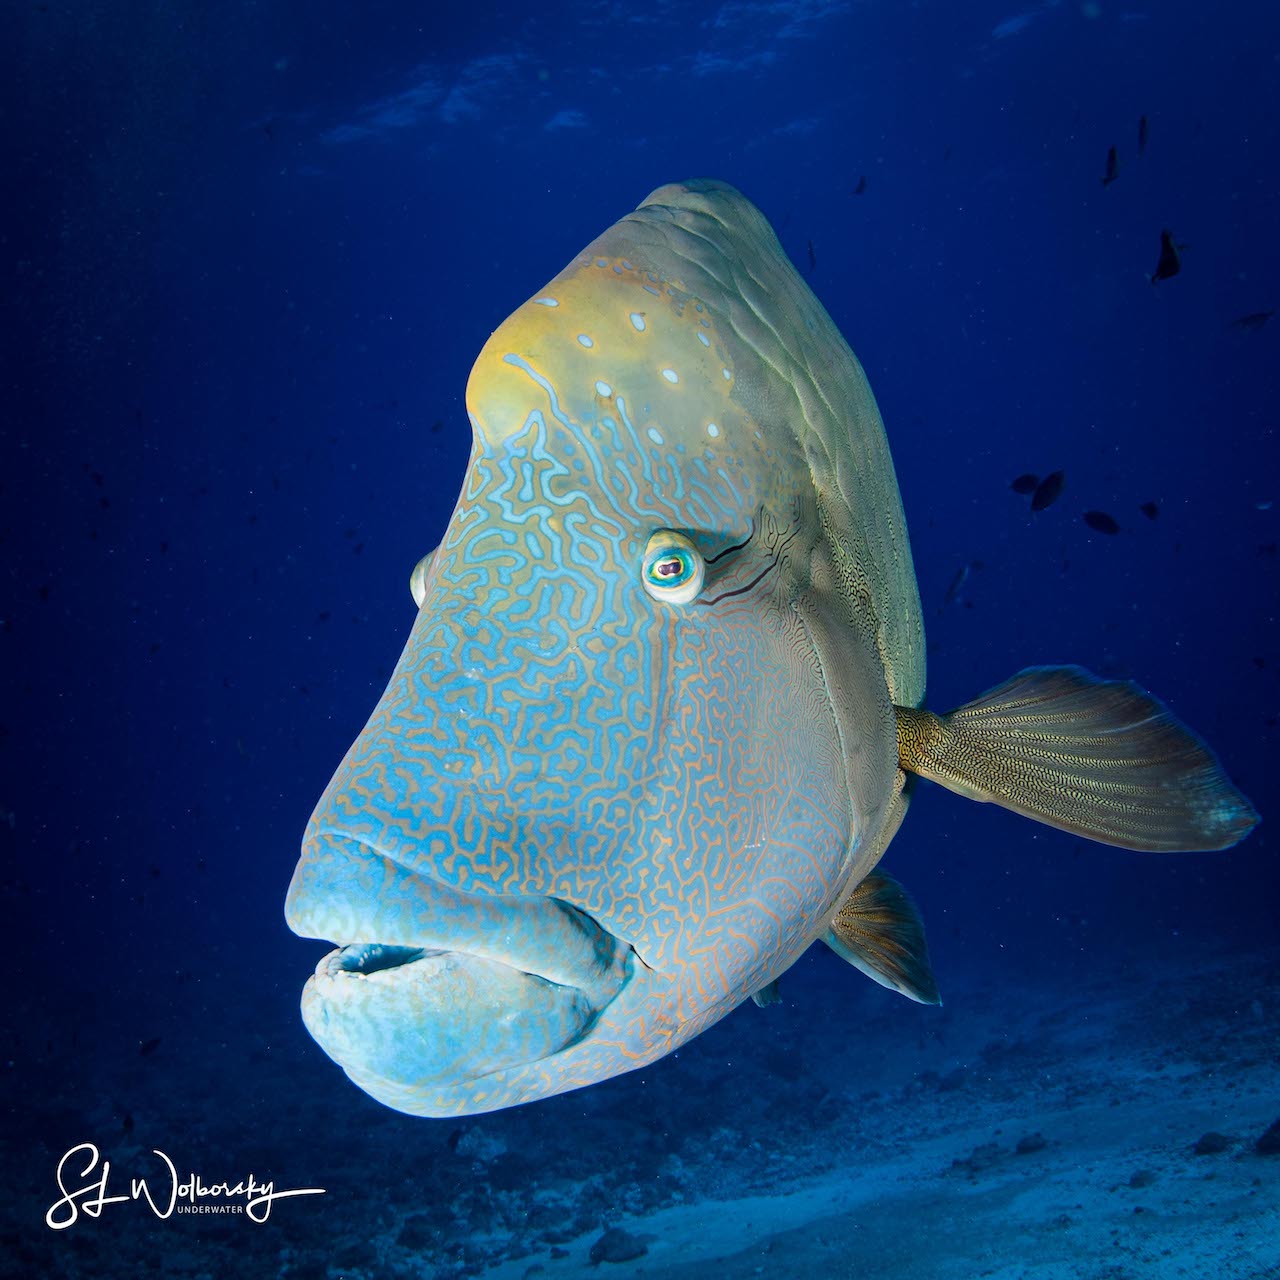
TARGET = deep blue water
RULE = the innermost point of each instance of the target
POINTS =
(250, 252)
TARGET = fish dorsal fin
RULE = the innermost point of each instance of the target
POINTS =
(879, 931)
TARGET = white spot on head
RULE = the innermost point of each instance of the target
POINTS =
(671, 375)
(602, 262)
(585, 340)
(712, 430)
(655, 435)
(728, 377)
(702, 338)
(638, 321)
(603, 389)
(546, 302)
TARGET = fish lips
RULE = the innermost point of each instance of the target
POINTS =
(433, 987)
(434, 1020)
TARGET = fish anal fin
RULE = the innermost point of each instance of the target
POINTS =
(1099, 758)
(767, 995)
(879, 931)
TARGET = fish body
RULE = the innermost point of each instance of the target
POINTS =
(1048, 491)
(956, 585)
(650, 733)
(955, 588)
(1170, 261)
(1254, 321)
(1112, 171)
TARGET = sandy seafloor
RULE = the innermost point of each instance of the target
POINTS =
(928, 1180)
(874, 1140)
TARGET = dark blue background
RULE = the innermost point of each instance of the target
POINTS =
(250, 252)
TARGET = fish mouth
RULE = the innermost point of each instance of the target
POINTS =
(432, 987)
(369, 957)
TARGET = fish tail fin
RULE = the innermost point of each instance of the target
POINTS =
(879, 931)
(1099, 758)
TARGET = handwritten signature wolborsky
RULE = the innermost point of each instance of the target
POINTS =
(85, 1191)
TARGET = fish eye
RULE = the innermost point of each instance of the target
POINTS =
(673, 569)
(418, 578)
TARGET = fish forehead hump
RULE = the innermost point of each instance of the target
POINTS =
(771, 365)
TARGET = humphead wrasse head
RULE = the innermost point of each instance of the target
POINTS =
(605, 797)
(646, 742)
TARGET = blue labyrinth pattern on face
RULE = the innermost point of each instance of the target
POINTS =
(552, 731)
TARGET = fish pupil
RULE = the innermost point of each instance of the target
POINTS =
(670, 568)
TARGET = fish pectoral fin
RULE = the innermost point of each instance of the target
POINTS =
(1099, 758)
(879, 931)
(767, 995)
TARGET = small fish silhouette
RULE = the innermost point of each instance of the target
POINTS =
(148, 1047)
(1253, 321)
(1025, 483)
(1048, 490)
(1170, 262)
(1100, 522)
(813, 258)
(1142, 134)
(1113, 168)
(1149, 509)
(861, 188)
(958, 581)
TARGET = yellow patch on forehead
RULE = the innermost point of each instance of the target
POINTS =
(606, 338)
